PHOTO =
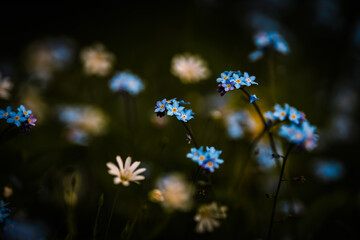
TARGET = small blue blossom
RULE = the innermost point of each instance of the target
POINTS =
(237, 81)
(128, 82)
(209, 159)
(25, 112)
(185, 115)
(174, 108)
(281, 113)
(16, 118)
(256, 55)
(228, 85)
(329, 170)
(253, 98)
(5, 114)
(161, 105)
(303, 134)
(224, 76)
(294, 115)
(269, 116)
(248, 80)
(293, 133)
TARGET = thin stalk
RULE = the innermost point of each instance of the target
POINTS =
(101, 201)
(266, 126)
(277, 191)
(190, 133)
(112, 213)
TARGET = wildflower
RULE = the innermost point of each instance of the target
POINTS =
(174, 108)
(253, 98)
(8, 191)
(228, 85)
(208, 216)
(224, 76)
(5, 114)
(272, 40)
(281, 113)
(4, 211)
(248, 80)
(5, 87)
(304, 134)
(16, 118)
(125, 81)
(185, 115)
(156, 196)
(125, 173)
(31, 120)
(294, 115)
(237, 81)
(161, 105)
(329, 170)
(25, 112)
(189, 68)
(208, 160)
(174, 192)
(97, 60)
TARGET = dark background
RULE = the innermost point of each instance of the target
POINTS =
(323, 64)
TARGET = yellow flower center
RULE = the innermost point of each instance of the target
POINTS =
(228, 86)
(293, 116)
(162, 106)
(225, 77)
(16, 118)
(201, 158)
(282, 114)
(29, 120)
(126, 175)
(248, 80)
(237, 81)
(5, 114)
(184, 116)
(210, 164)
(174, 110)
(25, 112)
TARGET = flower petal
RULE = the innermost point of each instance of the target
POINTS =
(134, 166)
(113, 170)
(140, 170)
(120, 163)
(127, 163)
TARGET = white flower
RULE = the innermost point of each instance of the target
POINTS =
(5, 87)
(189, 68)
(176, 192)
(97, 61)
(127, 173)
(207, 217)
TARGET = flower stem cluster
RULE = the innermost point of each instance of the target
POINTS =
(22, 117)
(298, 131)
(208, 160)
(172, 107)
(230, 80)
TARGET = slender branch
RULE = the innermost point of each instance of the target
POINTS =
(266, 126)
(112, 213)
(277, 190)
(190, 133)
(101, 201)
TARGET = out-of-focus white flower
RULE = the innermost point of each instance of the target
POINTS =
(46, 56)
(208, 217)
(156, 196)
(82, 122)
(189, 68)
(176, 191)
(8, 191)
(5, 87)
(125, 173)
(97, 60)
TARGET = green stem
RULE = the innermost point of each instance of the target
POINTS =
(101, 201)
(266, 126)
(112, 213)
(190, 133)
(277, 191)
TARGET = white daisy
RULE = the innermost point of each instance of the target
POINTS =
(207, 217)
(189, 68)
(125, 173)
(97, 61)
(5, 87)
